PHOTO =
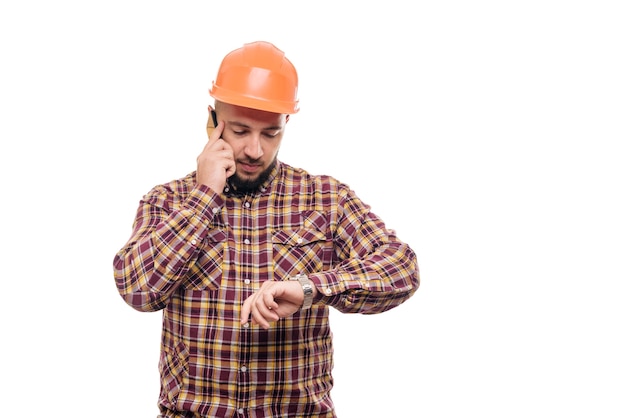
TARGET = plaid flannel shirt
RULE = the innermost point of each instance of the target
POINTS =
(197, 255)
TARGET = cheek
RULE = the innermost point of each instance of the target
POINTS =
(237, 147)
(270, 148)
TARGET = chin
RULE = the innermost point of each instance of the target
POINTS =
(245, 184)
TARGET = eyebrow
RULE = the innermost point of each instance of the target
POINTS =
(268, 128)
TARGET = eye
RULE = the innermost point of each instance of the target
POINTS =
(271, 134)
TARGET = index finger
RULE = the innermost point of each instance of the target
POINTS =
(245, 311)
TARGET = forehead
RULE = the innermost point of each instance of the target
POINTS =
(251, 117)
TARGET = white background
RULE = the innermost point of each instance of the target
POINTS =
(489, 134)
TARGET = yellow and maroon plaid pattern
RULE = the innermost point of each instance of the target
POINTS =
(197, 255)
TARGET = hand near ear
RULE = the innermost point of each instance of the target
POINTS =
(216, 162)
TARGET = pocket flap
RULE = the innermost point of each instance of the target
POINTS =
(297, 237)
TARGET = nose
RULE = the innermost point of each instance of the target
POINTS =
(253, 148)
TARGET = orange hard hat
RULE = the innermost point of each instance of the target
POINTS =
(258, 76)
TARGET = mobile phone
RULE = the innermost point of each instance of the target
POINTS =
(211, 123)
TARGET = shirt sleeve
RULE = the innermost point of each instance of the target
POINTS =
(376, 271)
(164, 244)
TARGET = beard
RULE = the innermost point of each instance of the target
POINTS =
(241, 185)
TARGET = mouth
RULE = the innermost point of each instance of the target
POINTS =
(249, 168)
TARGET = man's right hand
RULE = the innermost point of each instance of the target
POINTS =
(216, 162)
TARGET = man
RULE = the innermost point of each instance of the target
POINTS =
(246, 255)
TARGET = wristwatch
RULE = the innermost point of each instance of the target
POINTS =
(307, 288)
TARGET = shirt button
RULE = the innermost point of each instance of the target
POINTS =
(246, 325)
(247, 281)
(327, 291)
(244, 369)
(193, 242)
(240, 410)
(300, 240)
(246, 205)
(246, 241)
(226, 189)
(215, 210)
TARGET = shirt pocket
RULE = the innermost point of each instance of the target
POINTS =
(303, 250)
(206, 273)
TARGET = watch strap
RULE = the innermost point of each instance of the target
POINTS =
(307, 288)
